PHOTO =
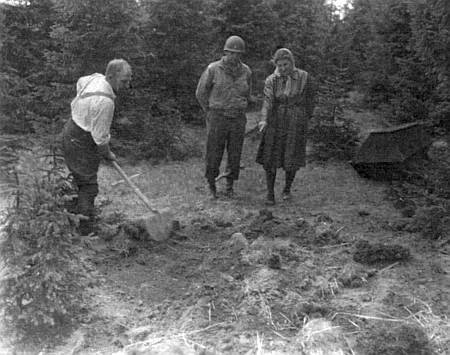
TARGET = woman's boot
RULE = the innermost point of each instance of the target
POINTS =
(286, 195)
(270, 180)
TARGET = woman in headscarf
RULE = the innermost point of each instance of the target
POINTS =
(288, 106)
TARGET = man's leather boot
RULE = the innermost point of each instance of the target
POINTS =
(270, 199)
(229, 191)
(212, 190)
(86, 208)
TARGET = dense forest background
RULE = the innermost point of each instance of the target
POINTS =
(396, 52)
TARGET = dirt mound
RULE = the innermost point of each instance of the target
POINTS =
(367, 253)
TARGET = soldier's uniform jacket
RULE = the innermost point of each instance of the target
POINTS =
(223, 89)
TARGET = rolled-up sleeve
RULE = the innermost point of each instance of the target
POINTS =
(268, 98)
(102, 115)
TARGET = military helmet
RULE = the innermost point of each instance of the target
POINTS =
(234, 44)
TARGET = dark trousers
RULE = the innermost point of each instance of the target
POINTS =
(224, 133)
(83, 160)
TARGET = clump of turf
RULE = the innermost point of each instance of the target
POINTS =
(367, 253)
(399, 339)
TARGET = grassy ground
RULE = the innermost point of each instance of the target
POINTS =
(240, 278)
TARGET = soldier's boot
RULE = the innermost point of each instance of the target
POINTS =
(229, 191)
(212, 189)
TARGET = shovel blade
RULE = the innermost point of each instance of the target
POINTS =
(159, 225)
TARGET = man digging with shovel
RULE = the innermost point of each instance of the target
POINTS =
(86, 135)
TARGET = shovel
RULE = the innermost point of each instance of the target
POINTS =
(159, 223)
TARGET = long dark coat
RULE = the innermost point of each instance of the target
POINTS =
(283, 143)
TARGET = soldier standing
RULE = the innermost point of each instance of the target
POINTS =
(223, 92)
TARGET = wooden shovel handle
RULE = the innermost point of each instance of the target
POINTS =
(133, 186)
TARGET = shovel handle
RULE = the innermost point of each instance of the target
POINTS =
(133, 186)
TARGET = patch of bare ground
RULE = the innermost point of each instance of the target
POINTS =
(327, 273)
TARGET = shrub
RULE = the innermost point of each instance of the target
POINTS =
(421, 191)
(334, 141)
(47, 262)
(154, 132)
(431, 221)
(333, 135)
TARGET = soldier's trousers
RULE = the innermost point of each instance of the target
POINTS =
(224, 133)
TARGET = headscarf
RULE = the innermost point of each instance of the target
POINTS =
(284, 53)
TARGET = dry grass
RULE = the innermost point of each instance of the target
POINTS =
(333, 189)
(321, 337)
(436, 327)
(181, 187)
